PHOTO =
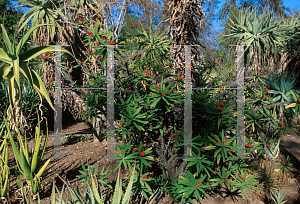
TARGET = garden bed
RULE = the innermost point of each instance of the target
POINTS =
(75, 154)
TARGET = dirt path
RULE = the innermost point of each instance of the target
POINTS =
(73, 155)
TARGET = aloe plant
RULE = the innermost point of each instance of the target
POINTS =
(278, 197)
(31, 169)
(281, 89)
(4, 169)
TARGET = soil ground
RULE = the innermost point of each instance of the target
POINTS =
(75, 154)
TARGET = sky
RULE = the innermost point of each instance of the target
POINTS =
(292, 4)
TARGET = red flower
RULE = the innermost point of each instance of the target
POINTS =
(178, 133)
(217, 63)
(48, 83)
(112, 43)
(76, 21)
(180, 77)
(266, 89)
(268, 145)
(43, 57)
(98, 66)
(138, 72)
(121, 123)
(242, 178)
(163, 94)
(172, 135)
(247, 145)
(88, 70)
(218, 142)
(226, 140)
(142, 154)
(48, 53)
(158, 88)
(92, 81)
(144, 57)
(231, 73)
(266, 97)
(224, 101)
(219, 108)
(233, 76)
(168, 89)
(121, 150)
(224, 177)
(135, 149)
(231, 150)
(144, 177)
(161, 67)
(281, 123)
(298, 99)
(80, 19)
(196, 187)
(79, 62)
(138, 59)
(90, 33)
(199, 182)
(129, 69)
(99, 58)
(51, 79)
(221, 104)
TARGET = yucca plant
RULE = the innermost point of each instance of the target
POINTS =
(30, 168)
(278, 197)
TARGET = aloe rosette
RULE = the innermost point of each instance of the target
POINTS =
(14, 62)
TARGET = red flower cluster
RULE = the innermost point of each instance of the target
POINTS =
(226, 140)
(268, 145)
(218, 142)
(158, 88)
(90, 33)
(219, 108)
(231, 150)
(104, 38)
(138, 59)
(79, 62)
(163, 94)
(266, 89)
(112, 43)
(199, 182)
(224, 177)
(138, 72)
(172, 135)
(121, 123)
(217, 63)
(247, 145)
(142, 154)
(144, 177)
(178, 133)
(221, 104)
(43, 57)
(135, 149)
(147, 72)
(48, 53)
(281, 123)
